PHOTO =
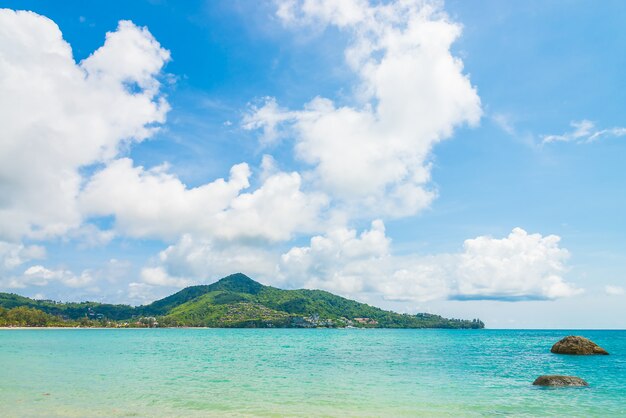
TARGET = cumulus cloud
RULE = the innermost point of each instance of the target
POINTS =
(339, 260)
(584, 131)
(14, 255)
(58, 116)
(412, 93)
(352, 264)
(155, 203)
(192, 260)
(157, 276)
(142, 293)
(201, 260)
(41, 276)
(89, 235)
(111, 272)
(612, 290)
(520, 266)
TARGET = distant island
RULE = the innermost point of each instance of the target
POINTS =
(236, 301)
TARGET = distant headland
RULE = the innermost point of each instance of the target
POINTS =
(235, 301)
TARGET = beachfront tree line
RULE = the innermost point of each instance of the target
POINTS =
(23, 316)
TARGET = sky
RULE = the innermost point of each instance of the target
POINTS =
(458, 158)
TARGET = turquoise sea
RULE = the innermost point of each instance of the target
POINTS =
(303, 372)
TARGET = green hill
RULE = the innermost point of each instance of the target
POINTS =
(239, 301)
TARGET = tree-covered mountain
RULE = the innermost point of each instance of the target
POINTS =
(238, 301)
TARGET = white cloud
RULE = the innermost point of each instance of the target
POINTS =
(155, 203)
(521, 266)
(14, 255)
(354, 265)
(268, 117)
(614, 290)
(58, 116)
(130, 55)
(89, 236)
(504, 122)
(584, 131)
(113, 272)
(142, 293)
(342, 14)
(201, 260)
(412, 93)
(157, 276)
(340, 261)
(41, 276)
(349, 264)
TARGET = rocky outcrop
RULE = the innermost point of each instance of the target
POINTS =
(559, 381)
(577, 345)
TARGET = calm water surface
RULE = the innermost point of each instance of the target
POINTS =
(317, 372)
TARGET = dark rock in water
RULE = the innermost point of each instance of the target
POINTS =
(559, 381)
(577, 345)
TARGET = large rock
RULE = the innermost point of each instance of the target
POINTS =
(577, 345)
(559, 381)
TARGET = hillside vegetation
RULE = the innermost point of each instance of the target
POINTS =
(238, 301)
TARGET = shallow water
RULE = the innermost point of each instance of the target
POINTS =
(304, 372)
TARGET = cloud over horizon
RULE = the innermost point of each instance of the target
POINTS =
(518, 267)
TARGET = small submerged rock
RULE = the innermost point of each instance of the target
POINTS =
(559, 381)
(577, 345)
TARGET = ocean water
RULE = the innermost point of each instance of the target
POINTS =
(303, 372)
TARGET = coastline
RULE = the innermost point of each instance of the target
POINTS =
(336, 328)
(42, 328)
(564, 330)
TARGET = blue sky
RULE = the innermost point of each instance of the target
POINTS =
(483, 178)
